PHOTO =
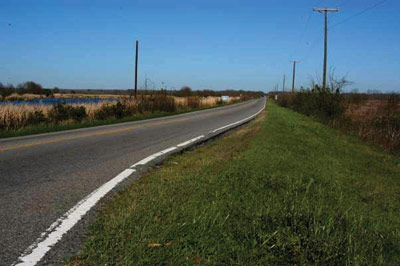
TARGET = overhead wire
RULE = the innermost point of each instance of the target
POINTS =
(359, 13)
(315, 41)
(318, 39)
(305, 30)
(343, 3)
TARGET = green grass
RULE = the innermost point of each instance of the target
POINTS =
(284, 190)
(46, 128)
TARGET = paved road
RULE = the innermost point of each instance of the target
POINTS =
(43, 176)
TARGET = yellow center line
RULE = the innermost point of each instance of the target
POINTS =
(97, 133)
(37, 143)
(101, 133)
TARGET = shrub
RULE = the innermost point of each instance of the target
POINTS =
(58, 113)
(322, 104)
(119, 110)
(36, 117)
(61, 112)
(104, 112)
(285, 100)
(77, 113)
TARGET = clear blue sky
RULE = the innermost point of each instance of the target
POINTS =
(227, 44)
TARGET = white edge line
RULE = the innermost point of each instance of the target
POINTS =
(35, 252)
(55, 232)
(153, 156)
(190, 141)
(158, 154)
(240, 121)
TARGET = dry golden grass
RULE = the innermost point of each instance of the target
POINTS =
(27, 96)
(377, 121)
(202, 101)
(14, 117)
(82, 95)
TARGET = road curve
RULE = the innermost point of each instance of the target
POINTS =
(43, 176)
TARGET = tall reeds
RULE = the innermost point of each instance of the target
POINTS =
(14, 117)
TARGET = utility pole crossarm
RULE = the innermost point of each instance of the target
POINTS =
(326, 9)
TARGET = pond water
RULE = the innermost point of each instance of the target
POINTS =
(51, 101)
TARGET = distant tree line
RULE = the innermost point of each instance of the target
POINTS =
(187, 91)
(28, 87)
(31, 87)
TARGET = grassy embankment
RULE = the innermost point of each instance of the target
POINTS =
(282, 190)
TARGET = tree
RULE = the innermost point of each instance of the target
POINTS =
(186, 91)
(6, 90)
(335, 84)
(30, 87)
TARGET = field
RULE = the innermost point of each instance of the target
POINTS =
(27, 119)
(374, 118)
(283, 190)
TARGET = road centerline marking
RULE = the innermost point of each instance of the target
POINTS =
(102, 133)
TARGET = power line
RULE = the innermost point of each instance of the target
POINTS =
(311, 13)
(317, 40)
(313, 44)
(303, 34)
(359, 13)
(343, 3)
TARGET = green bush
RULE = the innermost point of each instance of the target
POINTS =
(105, 112)
(77, 113)
(118, 110)
(36, 117)
(325, 105)
(61, 112)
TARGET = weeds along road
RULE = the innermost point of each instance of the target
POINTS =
(43, 176)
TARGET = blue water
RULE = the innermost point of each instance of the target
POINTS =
(51, 101)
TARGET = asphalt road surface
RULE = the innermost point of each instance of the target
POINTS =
(43, 176)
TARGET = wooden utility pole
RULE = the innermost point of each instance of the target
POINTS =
(325, 11)
(284, 80)
(136, 66)
(294, 74)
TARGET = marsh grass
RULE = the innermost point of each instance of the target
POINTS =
(23, 119)
(284, 190)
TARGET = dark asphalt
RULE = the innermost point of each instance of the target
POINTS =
(43, 176)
